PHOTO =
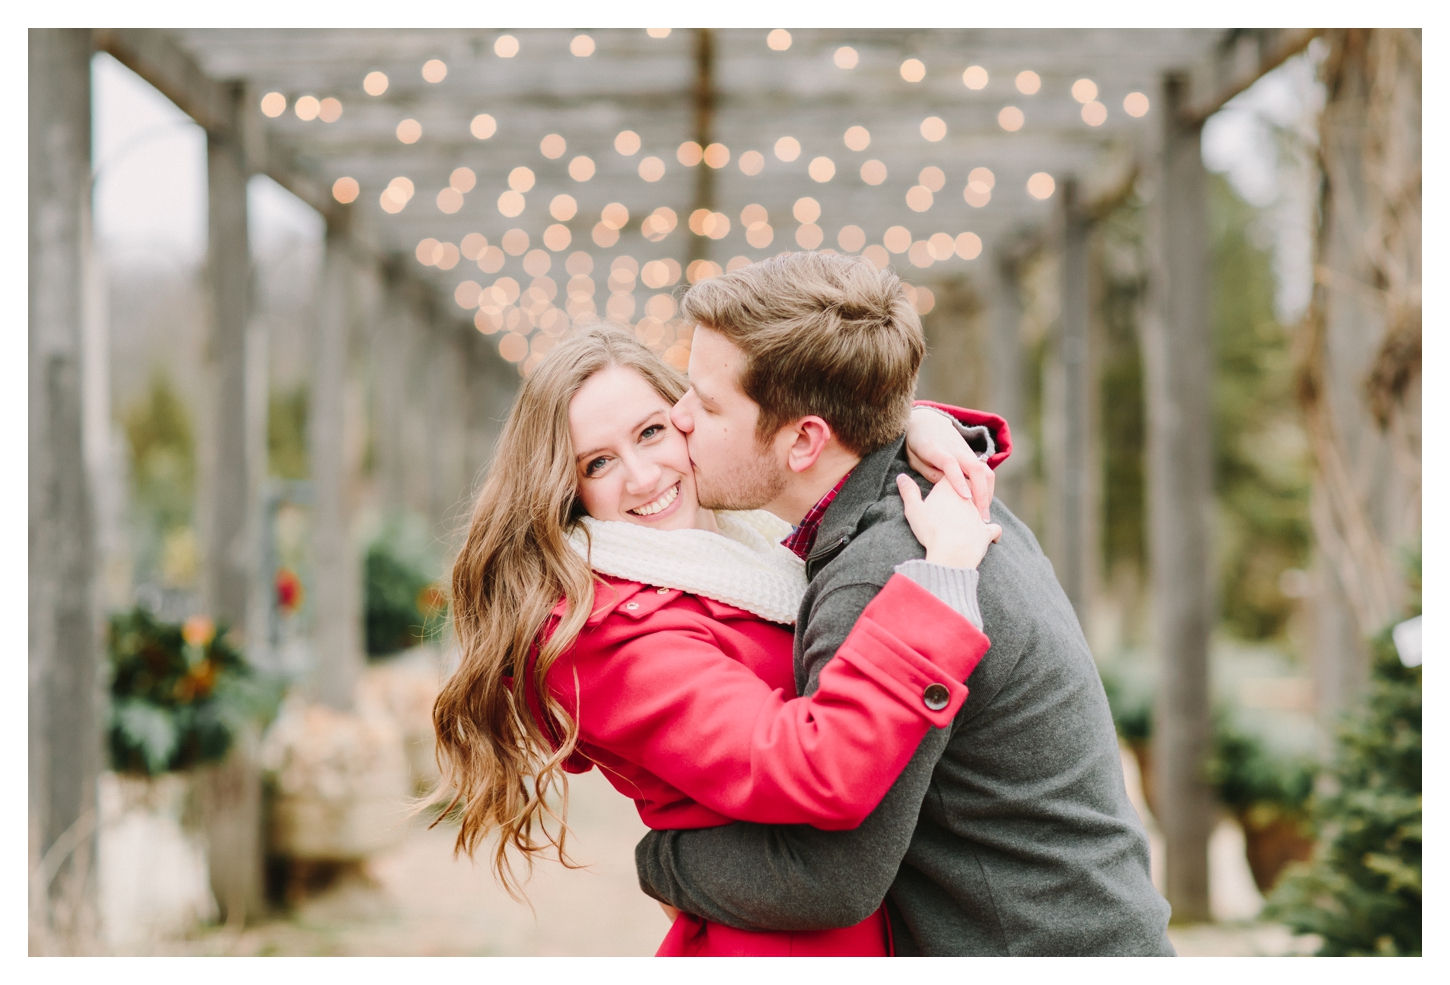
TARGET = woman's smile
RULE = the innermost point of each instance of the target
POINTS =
(659, 505)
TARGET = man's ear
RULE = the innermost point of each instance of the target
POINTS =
(805, 439)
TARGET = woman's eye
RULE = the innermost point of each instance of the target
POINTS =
(651, 431)
(594, 466)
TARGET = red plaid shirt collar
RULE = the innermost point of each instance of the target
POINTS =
(803, 537)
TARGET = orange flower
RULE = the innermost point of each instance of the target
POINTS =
(198, 681)
(198, 630)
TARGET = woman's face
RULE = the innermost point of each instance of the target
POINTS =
(632, 464)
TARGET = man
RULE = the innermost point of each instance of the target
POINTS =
(1008, 833)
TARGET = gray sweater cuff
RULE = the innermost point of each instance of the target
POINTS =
(957, 587)
(977, 436)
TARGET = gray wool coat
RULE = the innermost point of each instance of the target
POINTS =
(1010, 832)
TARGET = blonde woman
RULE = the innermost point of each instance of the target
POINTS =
(605, 619)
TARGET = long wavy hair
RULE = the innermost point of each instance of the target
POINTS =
(500, 768)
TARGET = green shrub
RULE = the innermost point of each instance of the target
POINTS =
(404, 607)
(180, 693)
(1362, 891)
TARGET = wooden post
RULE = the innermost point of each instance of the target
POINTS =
(64, 754)
(1178, 373)
(1072, 501)
(704, 101)
(337, 585)
(1008, 380)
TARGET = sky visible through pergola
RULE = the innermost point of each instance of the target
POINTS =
(522, 153)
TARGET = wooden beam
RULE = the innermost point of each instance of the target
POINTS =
(1281, 46)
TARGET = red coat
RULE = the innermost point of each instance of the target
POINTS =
(688, 706)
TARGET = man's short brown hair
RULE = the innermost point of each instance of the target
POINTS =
(823, 334)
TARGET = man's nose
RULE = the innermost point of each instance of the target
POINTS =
(682, 419)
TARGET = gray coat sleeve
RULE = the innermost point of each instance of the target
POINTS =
(795, 877)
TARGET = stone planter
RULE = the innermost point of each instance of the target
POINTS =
(153, 880)
(1273, 839)
(340, 781)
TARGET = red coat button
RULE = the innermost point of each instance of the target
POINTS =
(936, 696)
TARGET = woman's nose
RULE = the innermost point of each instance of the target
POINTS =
(641, 475)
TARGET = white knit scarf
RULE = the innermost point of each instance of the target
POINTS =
(744, 565)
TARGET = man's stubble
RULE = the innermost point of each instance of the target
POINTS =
(747, 487)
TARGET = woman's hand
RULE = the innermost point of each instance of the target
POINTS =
(948, 526)
(670, 911)
(932, 441)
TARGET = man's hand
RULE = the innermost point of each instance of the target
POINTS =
(932, 442)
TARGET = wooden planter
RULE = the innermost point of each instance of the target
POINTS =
(341, 784)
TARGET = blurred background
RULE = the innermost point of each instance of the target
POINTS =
(284, 283)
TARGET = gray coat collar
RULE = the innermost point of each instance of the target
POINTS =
(860, 493)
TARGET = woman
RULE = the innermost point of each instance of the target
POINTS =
(604, 619)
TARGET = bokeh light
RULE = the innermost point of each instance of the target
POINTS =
(689, 153)
(274, 104)
(920, 254)
(873, 172)
(778, 40)
(537, 263)
(941, 246)
(490, 259)
(877, 254)
(506, 46)
(752, 162)
(582, 46)
(1028, 82)
(466, 294)
(604, 235)
(822, 169)
(1135, 104)
(933, 128)
(557, 237)
(717, 155)
(975, 77)
(627, 143)
(897, 239)
(787, 149)
(805, 210)
(472, 245)
(1011, 119)
(918, 198)
(552, 146)
(483, 126)
(932, 177)
(375, 83)
(651, 168)
(1094, 114)
(345, 190)
(1084, 90)
(912, 70)
(614, 215)
(521, 179)
(426, 251)
(329, 110)
(581, 168)
(463, 179)
(1040, 186)
(846, 57)
(851, 238)
(409, 131)
(858, 138)
(657, 32)
(563, 207)
(514, 242)
(434, 70)
(968, 246)
(450, 200)
(510, 203)
(307, 108)
(809, 236)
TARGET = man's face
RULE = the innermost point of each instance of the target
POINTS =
(732, 470)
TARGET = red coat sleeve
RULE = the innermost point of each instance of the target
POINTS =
(1001, 434)
(668, 700)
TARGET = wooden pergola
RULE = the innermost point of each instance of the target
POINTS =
(485, 191)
